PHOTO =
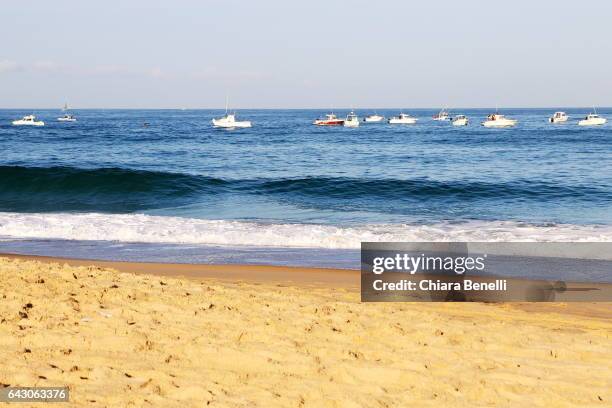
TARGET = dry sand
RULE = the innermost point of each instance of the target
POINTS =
(120, 339)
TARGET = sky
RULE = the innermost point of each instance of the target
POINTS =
(306, 54)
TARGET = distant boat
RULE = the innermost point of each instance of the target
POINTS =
(329, 120)
(495, 120)
(558, 117)
(29, 120)
(442, 115)
(351, 120)
(460, 120)
(592, 119)
(67, 117)
(229, 120)
(402, 119)
(374, 118)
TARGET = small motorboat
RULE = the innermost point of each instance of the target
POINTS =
(67, 118)
(329, 120)
(460, 120)
(374, 118)
(442, 115)
(351, 120)
(495, 120)
(403, 119)
(592, 119)
(29, 120)
(229, 122)
(558, 117)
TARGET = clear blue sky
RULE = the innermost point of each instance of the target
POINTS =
(266, 54)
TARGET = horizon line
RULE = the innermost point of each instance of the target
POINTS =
(314, 108)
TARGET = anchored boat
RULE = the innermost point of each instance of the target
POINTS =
(29, 120)
(374, 118)
(558, 117)
(67, 117)
(442, 115)
(351, 120)
(329, 120)
(592, 119)
(495, 120)
(460, 120)
(402, 119)
(229, 120)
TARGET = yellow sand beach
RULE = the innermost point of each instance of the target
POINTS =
(240, 336)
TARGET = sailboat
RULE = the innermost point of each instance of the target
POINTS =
(229, 120)
(67, 116)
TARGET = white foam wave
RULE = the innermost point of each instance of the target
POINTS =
(162, 229)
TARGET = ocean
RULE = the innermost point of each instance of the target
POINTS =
(287, 192)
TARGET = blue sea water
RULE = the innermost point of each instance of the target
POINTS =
(286, 183)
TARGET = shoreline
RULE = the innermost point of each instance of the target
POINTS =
(349, 280)
(301, 276)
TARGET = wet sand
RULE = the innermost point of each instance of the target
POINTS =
(130, 334)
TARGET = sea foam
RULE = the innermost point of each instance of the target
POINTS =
(177, 230)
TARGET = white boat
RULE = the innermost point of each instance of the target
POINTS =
(374, 118)
(442, 115)
(496, 120)
(67, 118)
(558, 117)
(229, 121)
(351, 120)
(592, 119)
(329, 120)
(460, 120)
(402, 119)
(29, 120)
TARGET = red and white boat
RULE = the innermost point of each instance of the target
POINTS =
(330, 120)
(442, 115)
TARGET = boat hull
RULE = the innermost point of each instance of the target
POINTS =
(338, 122)
(410, 121)
(592, 122)
(66, 120)
(230, 125)
(351, 123)
(499, 123)
(460, 122)
(373, 119)
(28, 123)
(557, 120)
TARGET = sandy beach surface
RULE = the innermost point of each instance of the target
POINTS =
(134, 335)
